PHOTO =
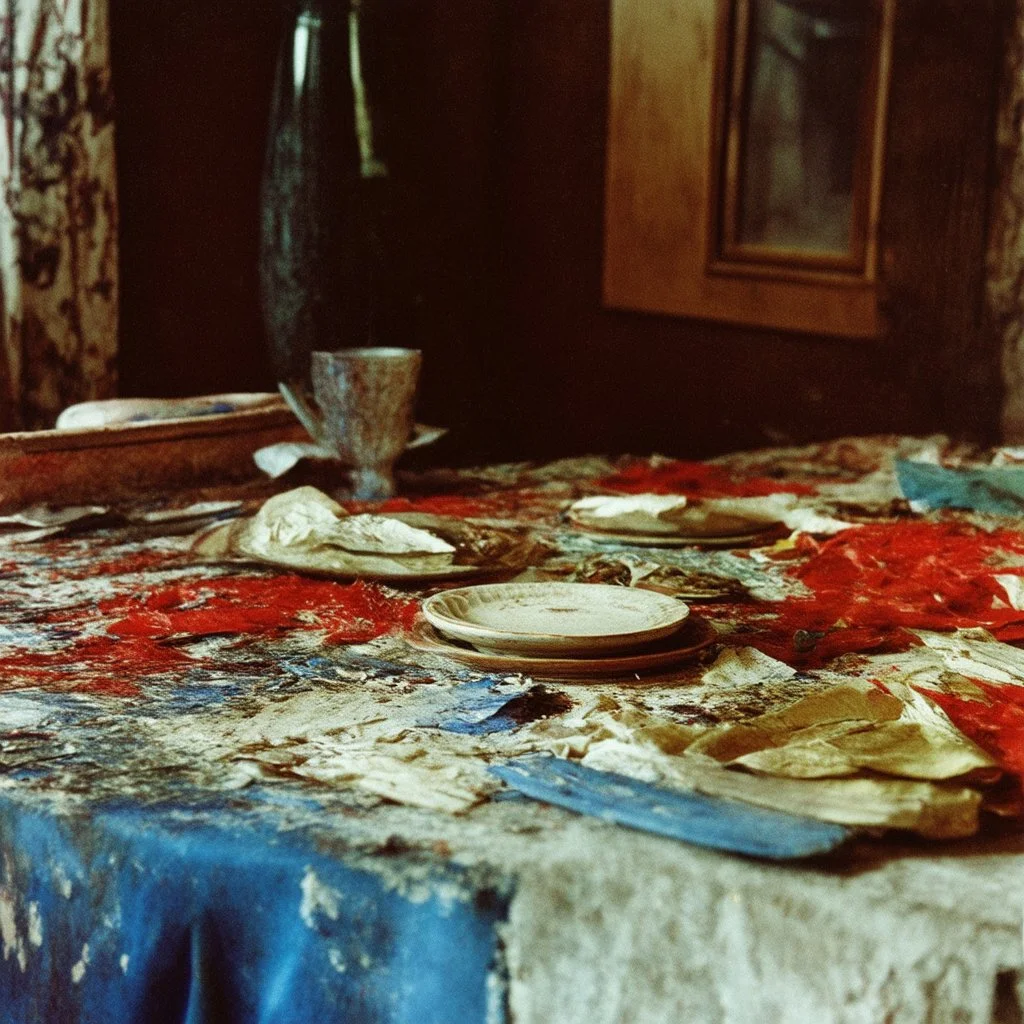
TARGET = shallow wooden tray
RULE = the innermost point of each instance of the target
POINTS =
(122, 461)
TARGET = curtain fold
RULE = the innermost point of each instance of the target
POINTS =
(58, 210)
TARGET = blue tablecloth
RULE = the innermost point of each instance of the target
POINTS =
(211, 915)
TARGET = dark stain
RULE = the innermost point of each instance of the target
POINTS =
(536, 703)
(694, 714)
(1006, 1004)
(805, 640)
(99, 98)
(393, 846)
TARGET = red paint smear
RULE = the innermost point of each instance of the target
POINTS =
(995, 723)
(123, 565)
(520, 503)
(695, 479)
(260, 606)
(99, 664)
(257, 606)
(110, 688)
(456, 505)
(871, 584)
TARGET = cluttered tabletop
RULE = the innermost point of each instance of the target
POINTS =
(525, 742)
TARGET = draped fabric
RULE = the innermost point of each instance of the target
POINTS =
(1004, 279)
(58, 210)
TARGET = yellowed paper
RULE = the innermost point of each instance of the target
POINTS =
(845, 730)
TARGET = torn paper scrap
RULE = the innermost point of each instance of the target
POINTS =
(408, 774)
(637, 513)
(974, 653)
(744, 666)
(277, 459)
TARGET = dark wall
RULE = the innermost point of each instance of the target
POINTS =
(522, 359)
(192, 83)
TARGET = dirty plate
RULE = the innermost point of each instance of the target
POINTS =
(555, 619)
(225, 543)
(695, 635)
(676, 540)
(480, 550)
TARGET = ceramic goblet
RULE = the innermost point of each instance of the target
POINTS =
(366, 398)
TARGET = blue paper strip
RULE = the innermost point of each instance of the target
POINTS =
(998, 489)
(692, 817)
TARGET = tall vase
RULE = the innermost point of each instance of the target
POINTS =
(332, 273)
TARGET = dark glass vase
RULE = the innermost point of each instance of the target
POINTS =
(334, 269)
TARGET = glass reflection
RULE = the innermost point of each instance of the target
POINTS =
(807, 64)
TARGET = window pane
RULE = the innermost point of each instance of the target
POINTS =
(807, 64)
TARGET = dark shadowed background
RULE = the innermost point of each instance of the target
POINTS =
(505, 128)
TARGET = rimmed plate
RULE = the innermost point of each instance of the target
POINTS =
(675, 540)
(221, 544)
(554, 619)
(696, 634)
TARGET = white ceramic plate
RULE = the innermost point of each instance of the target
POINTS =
(554, 619)
(694, 636)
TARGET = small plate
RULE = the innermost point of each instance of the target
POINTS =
(694, 636)
(675, 540)
(554, 619)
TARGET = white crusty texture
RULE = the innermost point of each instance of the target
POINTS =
(685, 935)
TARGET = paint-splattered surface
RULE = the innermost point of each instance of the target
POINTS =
(191, 752)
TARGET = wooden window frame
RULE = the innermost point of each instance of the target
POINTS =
(671, 92)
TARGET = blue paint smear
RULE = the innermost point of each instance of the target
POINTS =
(319, 667)
(199, 690)
(495, 723)
(996, 489)
(692, 817)
(476, 708)
(189, 922)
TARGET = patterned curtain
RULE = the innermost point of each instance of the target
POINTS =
(58, 210)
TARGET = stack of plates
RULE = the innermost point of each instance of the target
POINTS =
(656, 520)
(561, 629)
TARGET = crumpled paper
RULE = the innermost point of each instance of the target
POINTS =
(845, 730)
(851, 753)
(601, 734)
(41, 522)
(933, 810)
(306, 529)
